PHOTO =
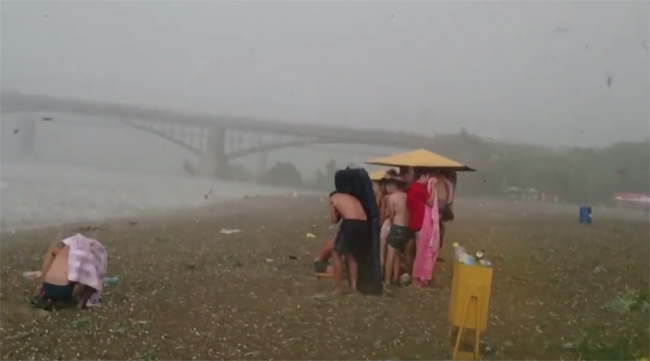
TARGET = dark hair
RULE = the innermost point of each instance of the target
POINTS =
(419, 172)
(399, 183)
(343, 181)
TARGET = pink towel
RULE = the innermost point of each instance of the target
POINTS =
(87, 262)
(428, 245)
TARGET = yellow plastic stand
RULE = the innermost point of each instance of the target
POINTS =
(469, 306)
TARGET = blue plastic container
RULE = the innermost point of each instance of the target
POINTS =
(585, 215)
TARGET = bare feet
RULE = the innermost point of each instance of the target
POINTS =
(337, 292)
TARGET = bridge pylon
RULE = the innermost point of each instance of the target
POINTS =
(213, 162)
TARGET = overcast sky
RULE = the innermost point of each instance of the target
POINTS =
(522, 71)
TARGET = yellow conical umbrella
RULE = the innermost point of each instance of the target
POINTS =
(419, 158)
(377, 175)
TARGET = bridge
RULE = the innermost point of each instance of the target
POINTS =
(215, 138)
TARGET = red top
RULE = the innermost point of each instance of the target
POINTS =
(416, 200)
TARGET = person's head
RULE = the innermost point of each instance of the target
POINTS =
(391, 173)
(421, 175)
(393, 185)
(383, 182)
(342, 181)
(449, 174)
(382, 187)
(406, 173)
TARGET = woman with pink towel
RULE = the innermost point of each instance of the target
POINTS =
(428, 242)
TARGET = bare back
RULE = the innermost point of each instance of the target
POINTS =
(442, 187)
(348, 206)
(58, 272)
(397, 204)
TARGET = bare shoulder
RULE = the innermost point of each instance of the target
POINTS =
(56, 246)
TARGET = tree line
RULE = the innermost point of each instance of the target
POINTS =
(573, 174)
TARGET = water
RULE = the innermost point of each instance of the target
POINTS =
(36, 194)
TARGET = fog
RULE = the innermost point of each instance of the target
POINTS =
(558, 74)
(520, 71)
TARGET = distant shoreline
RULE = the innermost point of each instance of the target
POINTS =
(219, 208)
(41, 195)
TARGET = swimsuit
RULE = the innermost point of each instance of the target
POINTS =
(399, 236)
(446, 214)
(351, 231)
(57, 292)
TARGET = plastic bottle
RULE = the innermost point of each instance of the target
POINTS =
(458, 250)
(111, 280)
(462, 256)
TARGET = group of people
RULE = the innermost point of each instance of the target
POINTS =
(413, 206)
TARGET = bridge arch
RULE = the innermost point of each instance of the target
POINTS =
(129, 123)
(164, 136)
(126, 114)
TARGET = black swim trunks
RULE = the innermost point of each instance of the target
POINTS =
(445, 211)
(446, 215)
(351, 231)
(56, 292)
(398, 237)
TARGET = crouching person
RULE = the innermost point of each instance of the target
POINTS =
(73, 272)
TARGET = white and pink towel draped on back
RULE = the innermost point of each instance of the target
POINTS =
(428, 244)
(87, 262)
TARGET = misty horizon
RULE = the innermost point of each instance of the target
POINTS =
(557, 74)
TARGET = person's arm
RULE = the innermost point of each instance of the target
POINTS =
(382, 208)
(450, 190)
(49, 256)
(335, 216)
(429, 198)
(386, 214)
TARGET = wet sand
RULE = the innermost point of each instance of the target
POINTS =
(186, 291)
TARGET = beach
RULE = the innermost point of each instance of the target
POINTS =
(186, 290)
